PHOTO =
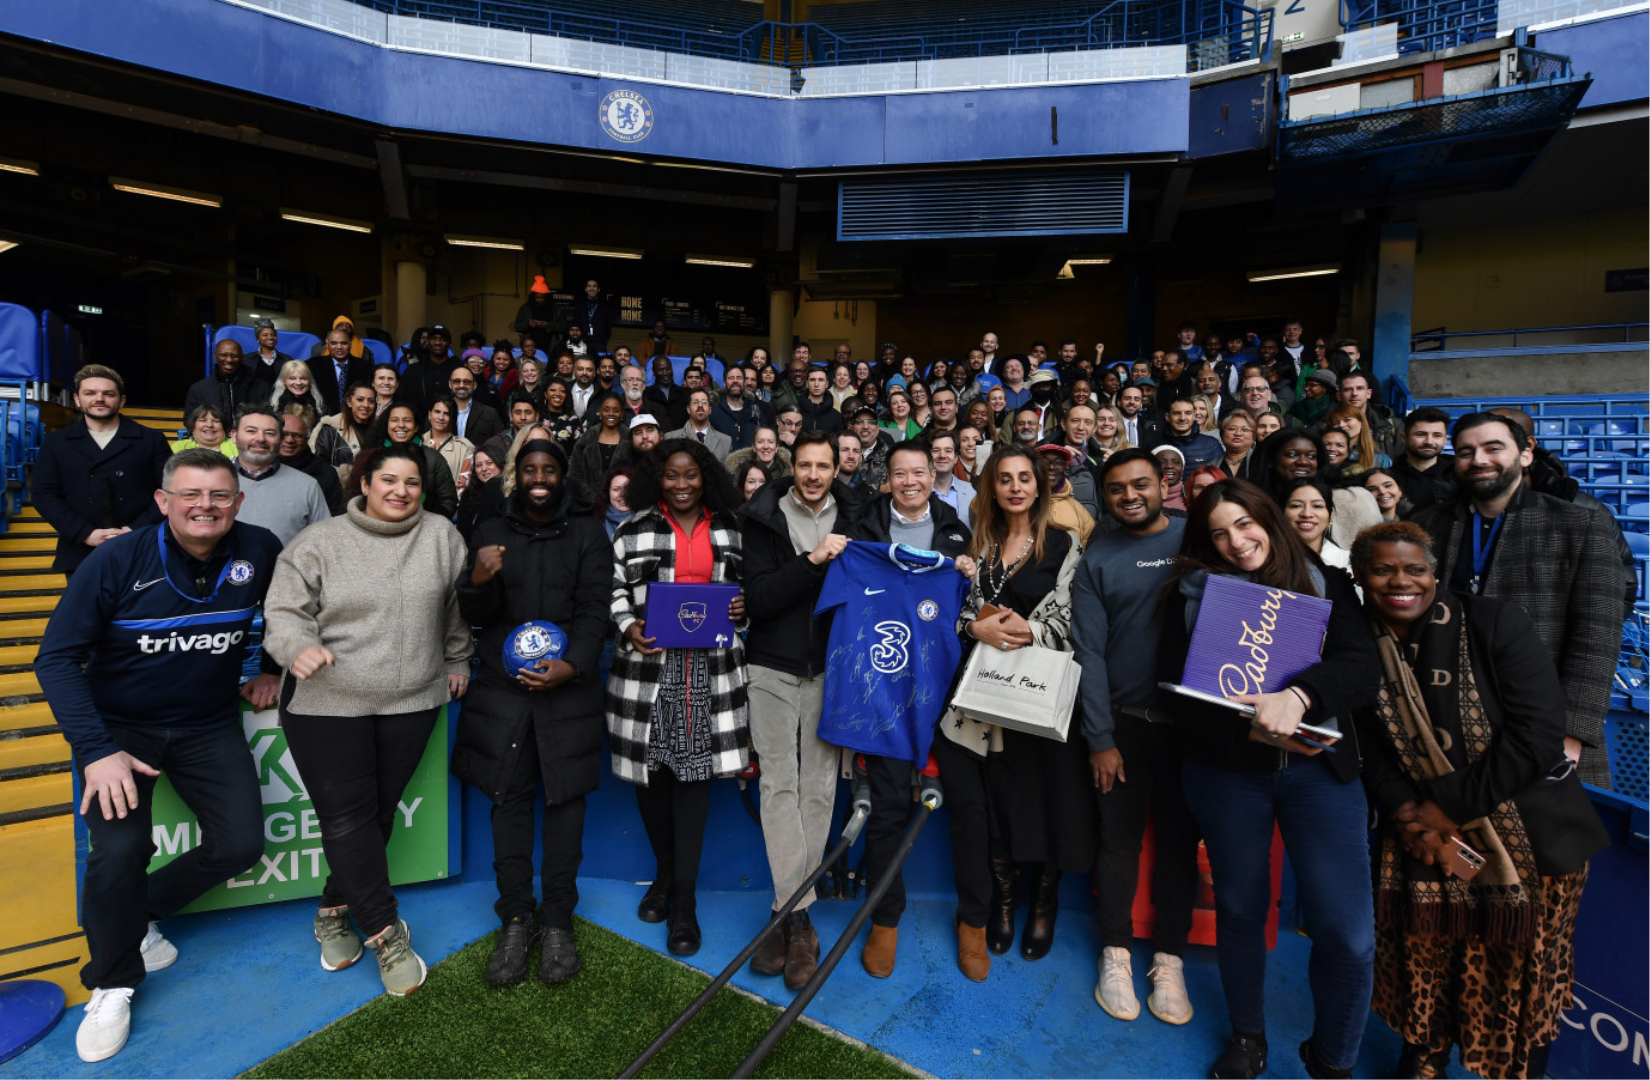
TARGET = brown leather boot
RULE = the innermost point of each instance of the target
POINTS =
(802, 950)
(770, 955)
(878, 957)
(972, 957)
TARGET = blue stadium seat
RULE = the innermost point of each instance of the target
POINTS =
(381, 353)
(297, 344)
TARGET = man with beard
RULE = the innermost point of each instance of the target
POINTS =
(874, 447)
(1554, 559)
(96, 478)
(632, 384)
(1139, 428)
(1424, 472)
(1178, 383)
(1116, 624)
(537, 561)
(475, 420)
(795, 386)
(584, 384)
(537, 314)
(793, 527)
(296, 421)
(231, 384)
(1045, 398)
(696, 426)
(279, 499)
(1199, 448)
(734, 415)
(657, 343)
(575, 345)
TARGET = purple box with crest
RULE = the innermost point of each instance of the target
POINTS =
(686, 616)
(1251, 639)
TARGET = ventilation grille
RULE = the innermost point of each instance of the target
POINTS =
(1055, 203)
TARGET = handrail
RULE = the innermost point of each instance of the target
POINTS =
(1441, 335)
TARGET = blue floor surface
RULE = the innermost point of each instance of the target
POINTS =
(248, 984)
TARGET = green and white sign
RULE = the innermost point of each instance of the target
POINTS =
(293, 864)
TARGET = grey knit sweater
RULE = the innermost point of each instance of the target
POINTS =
(383, 597)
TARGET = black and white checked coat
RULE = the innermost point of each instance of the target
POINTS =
(644, 551)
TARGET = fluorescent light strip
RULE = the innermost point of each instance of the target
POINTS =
(1096, 260)
(703, 260)
(18, 165)
(478, 242)
(159, 191)
(1284, 275)
(607, 253)
(7, 245)
(304, 217)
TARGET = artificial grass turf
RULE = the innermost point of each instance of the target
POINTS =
(456, 1025)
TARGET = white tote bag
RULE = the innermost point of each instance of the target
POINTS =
(1029, 689)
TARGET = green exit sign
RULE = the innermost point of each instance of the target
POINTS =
(90, 309)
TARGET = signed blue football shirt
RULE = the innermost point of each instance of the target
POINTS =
(893, 650)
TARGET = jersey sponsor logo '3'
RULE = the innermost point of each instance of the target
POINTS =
(889, 655)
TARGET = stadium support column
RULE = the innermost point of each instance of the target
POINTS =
(781, 312)
(410, 304)
(1394, 300)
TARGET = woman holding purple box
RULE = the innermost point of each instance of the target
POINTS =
(1241, 783)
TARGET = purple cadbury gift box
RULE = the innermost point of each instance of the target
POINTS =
(1250, 639)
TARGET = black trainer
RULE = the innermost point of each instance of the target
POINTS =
(683, 939)
(508, 964)
(1244, 1059)
(560, 959)
(1317, 1067)
(655, 905)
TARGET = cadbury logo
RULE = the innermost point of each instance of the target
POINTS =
(1250, 678)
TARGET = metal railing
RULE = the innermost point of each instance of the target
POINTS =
(1426, 25)
(1437, 340)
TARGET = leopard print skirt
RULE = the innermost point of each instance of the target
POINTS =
(1496, 1002)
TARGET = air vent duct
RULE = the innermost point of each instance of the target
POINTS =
(1056, 202)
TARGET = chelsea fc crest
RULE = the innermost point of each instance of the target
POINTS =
(626, 116)
(928, 611)
(240, 572)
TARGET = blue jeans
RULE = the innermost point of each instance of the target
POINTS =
(1325, 829)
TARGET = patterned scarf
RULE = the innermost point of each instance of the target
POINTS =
(1503, 903)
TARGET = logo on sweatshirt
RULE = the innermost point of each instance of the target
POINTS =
(216, 644)
(240, 572)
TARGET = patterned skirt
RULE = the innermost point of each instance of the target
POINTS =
(1497, 1002)
(680, 739)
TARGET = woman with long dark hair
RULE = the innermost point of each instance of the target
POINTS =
(1015, 798)
(612, 503)
(338, 438)
(1242, 780)
(399, 427)
(676, 717)
(362, 693)
(604, 443)
(1465, 746)
(1294, 454)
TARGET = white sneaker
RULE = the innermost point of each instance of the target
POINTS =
(1168, 1001)
(1115, 990)
(158, 953)
(107, 1023)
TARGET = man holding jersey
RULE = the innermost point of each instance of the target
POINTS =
(159, 615)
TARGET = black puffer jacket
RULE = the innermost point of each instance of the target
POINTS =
(951, 536)
(561, 572)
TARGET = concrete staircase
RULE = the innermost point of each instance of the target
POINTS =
(40, 935)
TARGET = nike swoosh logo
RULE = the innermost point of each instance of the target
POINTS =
(874, 592)
(145, 584)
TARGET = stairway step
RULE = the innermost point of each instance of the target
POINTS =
(26, 605)
(47, 749)
(28, 513)
(36, 792)
(19, 684)
(21, 630)
(30, 528)
(13, 562)
(35, 714)
(169, 426)
(140, 411)
(12, 544)
(13, 583)
(18, 655)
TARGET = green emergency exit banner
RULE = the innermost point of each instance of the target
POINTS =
(293, 864)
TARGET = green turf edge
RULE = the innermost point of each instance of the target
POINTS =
(458, 1026)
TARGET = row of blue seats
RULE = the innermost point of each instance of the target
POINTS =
(39, 353)
(298, 344)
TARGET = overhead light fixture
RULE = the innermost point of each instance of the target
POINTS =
(717, 260)
(18, 165)
(162, 191)
(1066, 273)
(326, 221)
(483, 242)
(607, 253)
(1294, 272)
(7, 245)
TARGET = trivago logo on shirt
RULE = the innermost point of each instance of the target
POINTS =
(893, 648)
(214, 632)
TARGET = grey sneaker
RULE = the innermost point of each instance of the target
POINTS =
(340, 945)
(158, 953)
(401, 969)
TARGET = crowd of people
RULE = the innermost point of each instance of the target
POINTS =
(382, 516)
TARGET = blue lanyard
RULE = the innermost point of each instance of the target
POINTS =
(160, 539)
(1481, 548)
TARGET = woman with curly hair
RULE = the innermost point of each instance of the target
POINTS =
(677, 717)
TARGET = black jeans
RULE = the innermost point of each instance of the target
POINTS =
(513, 846)
(968, 799)
(212, 771)
(674, 813)
(1151, 761)
(891, 809)
(356, 769)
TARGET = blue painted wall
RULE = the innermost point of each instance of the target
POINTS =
(220, 43)
(1613, 50)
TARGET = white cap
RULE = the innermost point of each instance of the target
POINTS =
(642, 418)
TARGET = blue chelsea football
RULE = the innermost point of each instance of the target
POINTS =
(531, 642)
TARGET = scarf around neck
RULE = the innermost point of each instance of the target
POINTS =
(1432, 676)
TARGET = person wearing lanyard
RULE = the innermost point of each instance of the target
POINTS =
(677, 717)
(161, 614)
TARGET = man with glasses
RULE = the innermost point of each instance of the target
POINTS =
(160, 614)
(473, 420)
(296, 423)
(1255, 395)
(279, 499)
